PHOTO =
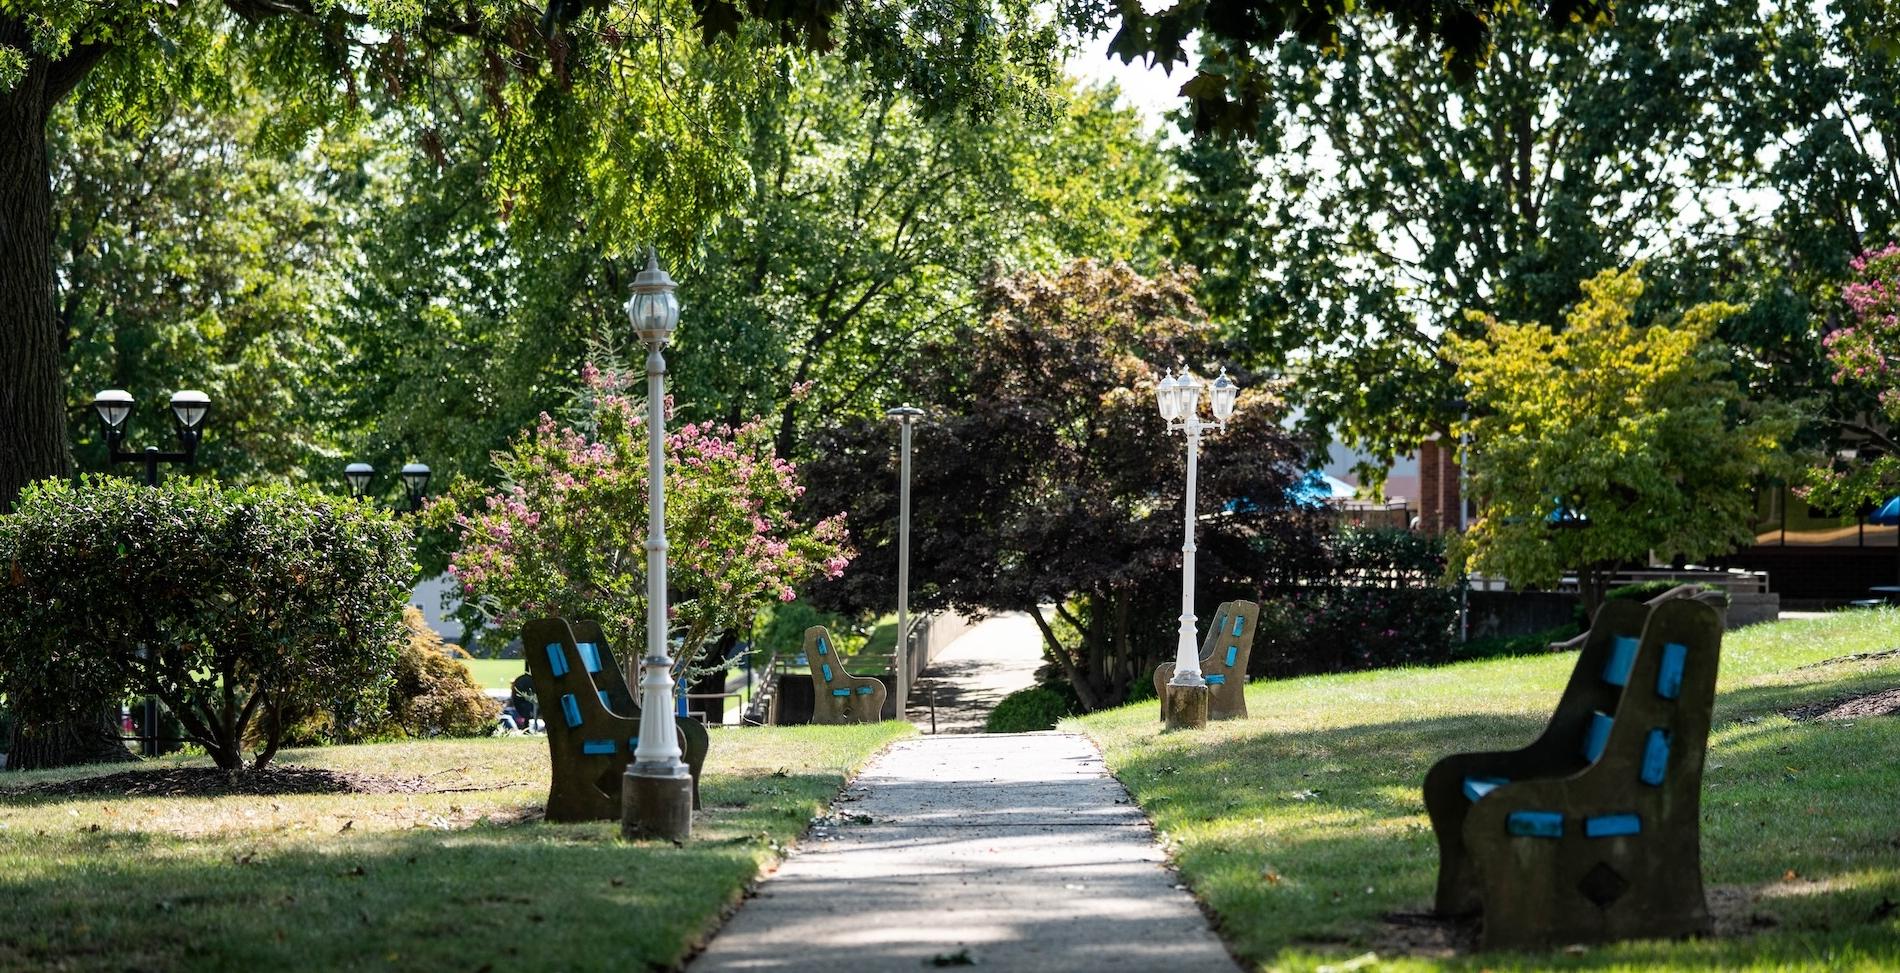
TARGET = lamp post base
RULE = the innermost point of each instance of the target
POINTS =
(656, 807)
(1184, 707)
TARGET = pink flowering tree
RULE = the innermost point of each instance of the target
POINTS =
(565, 533)
(1866, 353)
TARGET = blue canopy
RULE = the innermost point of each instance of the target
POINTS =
(1317, 488)
(1888, 515)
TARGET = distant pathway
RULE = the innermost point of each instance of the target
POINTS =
(1010, 851)
(997, 657)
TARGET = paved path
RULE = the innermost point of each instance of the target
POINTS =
(1017, 848)
(997, 657)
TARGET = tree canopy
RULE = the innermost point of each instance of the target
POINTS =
(1598, 443)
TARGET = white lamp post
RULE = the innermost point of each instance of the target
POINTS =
(1179, 400)
(905, 416)
(657, 792)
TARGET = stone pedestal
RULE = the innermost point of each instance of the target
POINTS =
(656, 807)
(1184, 707)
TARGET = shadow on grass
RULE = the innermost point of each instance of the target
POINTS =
(1304, 842)
(491, 896)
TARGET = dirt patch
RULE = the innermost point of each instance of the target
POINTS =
(1736, 911)
(1425, 934)
(1883, 703)
(1856, 657)
(212, 782)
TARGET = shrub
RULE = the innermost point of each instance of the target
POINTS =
(234, 607)
(566, 533)
(1027, 710)
(1636, 591)
(1375, 600)
(1532, 643)
(433, 693)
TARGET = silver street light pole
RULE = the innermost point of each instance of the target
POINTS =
(905, 416)
(1179, 399)
(657, 792)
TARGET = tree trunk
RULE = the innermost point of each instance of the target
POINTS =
(32, 373)
(80, 740)
(32, 382)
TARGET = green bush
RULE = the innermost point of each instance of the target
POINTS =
(1374, 601)
(1533, 643)
(433, 693)
(234, 607)
(1026, 710)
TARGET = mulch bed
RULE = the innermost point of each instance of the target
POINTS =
(212, 782)
(1883, 703)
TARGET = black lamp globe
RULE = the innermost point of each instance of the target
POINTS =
(358, 476)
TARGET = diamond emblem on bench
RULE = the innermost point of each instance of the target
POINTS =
(1602, 885)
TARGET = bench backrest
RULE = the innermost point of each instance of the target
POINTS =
(598, 656)
(1229, 643)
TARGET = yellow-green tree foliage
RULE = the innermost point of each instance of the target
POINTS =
(1637, 428)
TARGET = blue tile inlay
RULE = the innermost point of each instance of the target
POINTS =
(597, 746)
(1597, 736)
(841, 692)
(571, 708)
(1669, 674)
(1616, 672)
(1612, 826)
(1535, 824)
(1477, 787)
(557, 659)
(1233, 653)
(1656, 757)
(1215, 680)
(590, 655)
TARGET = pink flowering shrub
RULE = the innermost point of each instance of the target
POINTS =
(1866, 352)
(566, 532)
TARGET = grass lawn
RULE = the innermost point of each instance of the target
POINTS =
(1302, 827)
(495, 673)
(463, 879)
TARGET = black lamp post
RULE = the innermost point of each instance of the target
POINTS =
(415, 482)
(189, 408)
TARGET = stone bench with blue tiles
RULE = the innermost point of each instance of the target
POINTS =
(837, 695)
(593, 721)
(1224, 654)
(1592, 832)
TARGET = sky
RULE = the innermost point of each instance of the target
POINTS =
(1150, 91)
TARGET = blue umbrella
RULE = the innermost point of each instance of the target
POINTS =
(1888, 515)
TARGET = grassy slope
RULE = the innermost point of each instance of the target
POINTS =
(495, 673)
(1302, 826)
(446, 881)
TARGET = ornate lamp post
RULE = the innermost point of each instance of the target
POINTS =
(415, 482)
(657, 792)
(1185, 705)
(906, 416)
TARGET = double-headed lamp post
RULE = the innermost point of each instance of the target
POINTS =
(1179, 398)
(657, 792)
(906, 416)
(188, 409)
(415, 482)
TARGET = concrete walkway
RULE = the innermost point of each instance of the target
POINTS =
(997, 657)
(1013, 852)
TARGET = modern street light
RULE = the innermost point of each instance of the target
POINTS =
(906, 416)
(189, 408)
(1179, 399)
(657, 792)
(415, 482)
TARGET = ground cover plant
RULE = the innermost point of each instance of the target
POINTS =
(449, 869)
(1303, 827)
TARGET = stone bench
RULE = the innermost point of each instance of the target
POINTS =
(1591, 833)
(1224, 655)
(837, 695)
(592, 720)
